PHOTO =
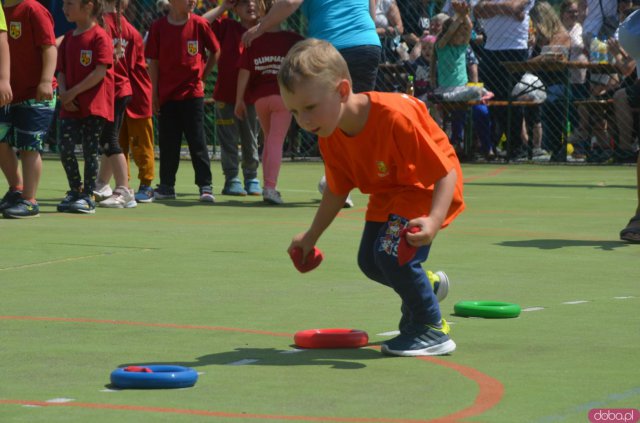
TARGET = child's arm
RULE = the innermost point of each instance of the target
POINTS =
(429, 226)
(330, 206)
(6, 95)
(45, 88)
(459, 32)
(241, 89)
(217, 11)
(62, 88)
(211, 62)
(153, 74)
(90, 81)
(280, 11)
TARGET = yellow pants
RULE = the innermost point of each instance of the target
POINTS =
(136, 136)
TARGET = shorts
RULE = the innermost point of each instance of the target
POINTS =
(25, 125)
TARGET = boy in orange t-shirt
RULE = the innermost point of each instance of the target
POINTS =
(389, 147)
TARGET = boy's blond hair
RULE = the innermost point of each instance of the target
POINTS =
(312, 59)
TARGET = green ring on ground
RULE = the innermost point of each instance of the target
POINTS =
(487, 309)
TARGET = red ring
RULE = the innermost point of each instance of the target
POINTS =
(331, 338)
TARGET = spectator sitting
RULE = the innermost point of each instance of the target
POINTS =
(389, 28)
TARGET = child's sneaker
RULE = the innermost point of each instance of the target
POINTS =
(252, 186)
(348, 203)
(86, 204)
(206, 194)
(70, 198)
(440, 284)
(233, 186)
(102, 190)
(271, 196)
(322, 185)
(144, 194)
(122, 198)
(9, 199)
(22, 209)
(164, 192)
(429, 340)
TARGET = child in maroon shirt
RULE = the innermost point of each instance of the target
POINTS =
(231, 131)
(86, 82)
(25, 122)
(178, 65)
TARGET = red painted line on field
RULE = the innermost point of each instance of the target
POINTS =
(490, 390)
(157, 325)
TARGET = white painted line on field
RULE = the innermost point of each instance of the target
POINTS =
(533, 309)
(390, 333)
(60, 400)
(242, 362)
(292, 351)
(623, 298)
(32, 406)
(111, 390)
(200, 373)
(575, 302)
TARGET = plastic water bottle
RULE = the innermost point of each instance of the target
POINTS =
(594, 47)
(603, 51)
(410, 87)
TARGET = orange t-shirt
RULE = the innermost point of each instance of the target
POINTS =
(396, 158)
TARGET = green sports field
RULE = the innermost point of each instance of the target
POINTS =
(211, 287)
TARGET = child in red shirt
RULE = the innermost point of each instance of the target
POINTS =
(113, 160)
(388, 146)
(176, 47)
(231, 131)
(257, 81)
(24, 124)
(86, 82)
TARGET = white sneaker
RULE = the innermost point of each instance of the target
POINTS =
(122, 198)
(270, 195)
(102, 190)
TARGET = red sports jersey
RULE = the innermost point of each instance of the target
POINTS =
(263, 61)
(121, 64)
(30, 28)
(180, 51)
(229, 33)
(140, 105)
(397, 158)
(78, 56)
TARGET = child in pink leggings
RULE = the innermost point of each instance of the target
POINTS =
(259, 65)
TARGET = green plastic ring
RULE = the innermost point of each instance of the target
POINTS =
(487, 309)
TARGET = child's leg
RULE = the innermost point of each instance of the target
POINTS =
(70, 130)
(227, 126)
(249, 143)
(378, 260)
(111, 147)
(140, 135)
(192, 115)
(8, 158)
(482, 124)
(92, 133)
(170, 137)
(275, 120)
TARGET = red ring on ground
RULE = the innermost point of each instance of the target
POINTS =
(331, 338)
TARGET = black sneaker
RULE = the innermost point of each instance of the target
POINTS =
(85, 204)
(164, 192)
(67, 201)
(428, 340)
(9, 199)
(22, 209)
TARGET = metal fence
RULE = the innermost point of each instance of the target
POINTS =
(570, 106)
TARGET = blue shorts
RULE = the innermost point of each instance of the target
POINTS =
(25, 125)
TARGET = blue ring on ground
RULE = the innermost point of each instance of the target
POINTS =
(487, 309)
(162, 377)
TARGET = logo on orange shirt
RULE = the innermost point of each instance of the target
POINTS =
(382, 169)
(15, 29)
(85, 57)
(192, 47)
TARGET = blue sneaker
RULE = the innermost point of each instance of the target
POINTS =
(85, 204)
(22, 209)
(164, 192)
(70, 198)
(10, 199)
(252, 186)
(233, 186)
(144, 194)
(429, 340)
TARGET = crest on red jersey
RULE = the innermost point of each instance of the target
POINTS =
(15, 30)
(85, 57)
(192, 47)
